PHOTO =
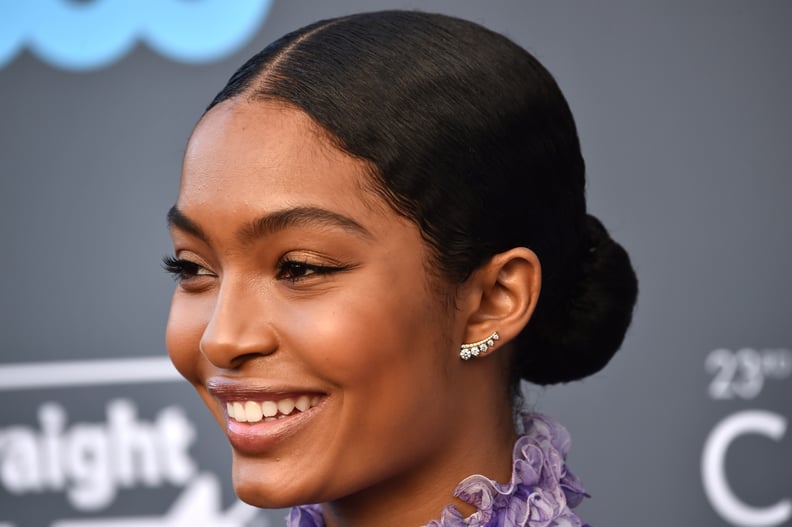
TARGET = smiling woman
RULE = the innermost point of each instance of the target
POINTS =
(367, 214)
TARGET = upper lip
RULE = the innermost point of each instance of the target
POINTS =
(228, 390)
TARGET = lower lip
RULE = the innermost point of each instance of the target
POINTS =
(257, 438)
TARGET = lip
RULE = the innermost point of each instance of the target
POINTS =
(262, 436)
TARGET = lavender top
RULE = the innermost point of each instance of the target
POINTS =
(542, 491)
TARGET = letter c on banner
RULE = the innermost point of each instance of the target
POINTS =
(713, 473)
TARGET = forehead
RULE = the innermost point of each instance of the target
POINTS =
(268, 155)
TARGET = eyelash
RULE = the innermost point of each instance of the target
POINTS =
(291, 266)
(182, 269)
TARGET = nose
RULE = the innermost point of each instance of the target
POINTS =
(239, 329)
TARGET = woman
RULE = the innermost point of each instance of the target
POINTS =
(368, 211)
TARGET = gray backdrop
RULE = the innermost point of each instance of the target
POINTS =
(684, 115)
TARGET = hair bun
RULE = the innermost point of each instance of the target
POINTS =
(580, 337)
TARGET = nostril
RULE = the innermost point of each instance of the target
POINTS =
(237, 362)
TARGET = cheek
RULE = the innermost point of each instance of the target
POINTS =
(369, 337)
(187, 321)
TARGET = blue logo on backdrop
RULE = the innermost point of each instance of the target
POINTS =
(84, 35)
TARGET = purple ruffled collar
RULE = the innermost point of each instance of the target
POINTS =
(542, 491)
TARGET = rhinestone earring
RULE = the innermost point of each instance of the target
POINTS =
(474, 349)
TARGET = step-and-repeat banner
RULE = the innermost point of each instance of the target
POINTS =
(685, 120)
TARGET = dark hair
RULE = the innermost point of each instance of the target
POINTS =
(469, 137)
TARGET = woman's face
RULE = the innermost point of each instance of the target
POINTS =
(304, 314)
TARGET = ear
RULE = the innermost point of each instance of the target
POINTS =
(502, 295)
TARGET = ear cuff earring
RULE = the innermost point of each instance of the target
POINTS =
(474, 349)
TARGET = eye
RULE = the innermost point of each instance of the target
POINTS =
(296, 270)
(183, 270)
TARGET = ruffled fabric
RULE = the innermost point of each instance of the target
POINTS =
(305, 516)
(542, 491)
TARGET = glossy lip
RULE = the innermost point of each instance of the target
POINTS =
(257, 438)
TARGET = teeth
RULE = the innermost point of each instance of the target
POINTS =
(286, 406)
(239, 412)
(270, 408)
(254, 411)
(303, 403)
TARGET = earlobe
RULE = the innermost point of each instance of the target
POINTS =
(503, 296)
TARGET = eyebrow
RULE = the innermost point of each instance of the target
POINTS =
(275, 222)
(176, 218)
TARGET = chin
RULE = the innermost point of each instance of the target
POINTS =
(252, 495)
(265, 486)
